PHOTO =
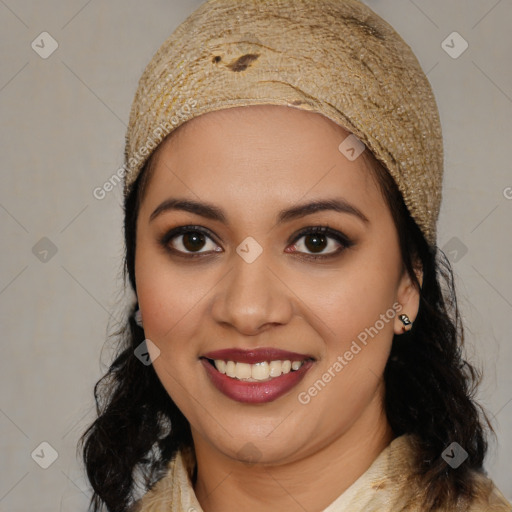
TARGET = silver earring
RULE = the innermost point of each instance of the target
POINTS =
(406, 321)
(138, 317)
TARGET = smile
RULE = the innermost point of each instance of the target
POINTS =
(258, 372)
(255, 376)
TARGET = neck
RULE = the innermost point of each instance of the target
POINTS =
(311, 483)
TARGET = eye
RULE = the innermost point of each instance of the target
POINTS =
(189, 240)
(195, 241)
(320, 241)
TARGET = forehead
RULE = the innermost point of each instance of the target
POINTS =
(259, 155)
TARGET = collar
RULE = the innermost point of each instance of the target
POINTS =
(387, 485)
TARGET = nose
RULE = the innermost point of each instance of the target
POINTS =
(252, 297)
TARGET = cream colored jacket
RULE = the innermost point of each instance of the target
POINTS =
(382, 488)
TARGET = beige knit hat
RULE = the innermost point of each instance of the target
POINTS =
(334, 57)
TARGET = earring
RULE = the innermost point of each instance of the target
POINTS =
(406, 321)
(138, 317)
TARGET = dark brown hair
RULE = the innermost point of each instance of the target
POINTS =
(429, 386)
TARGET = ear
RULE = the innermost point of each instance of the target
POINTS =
(408, 296)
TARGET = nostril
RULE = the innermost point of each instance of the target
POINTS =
(217, 58)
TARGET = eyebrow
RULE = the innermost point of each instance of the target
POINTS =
(212, 212)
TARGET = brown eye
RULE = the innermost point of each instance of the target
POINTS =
(193, 241)
(315, 242)
(320, 242)
(188, 240)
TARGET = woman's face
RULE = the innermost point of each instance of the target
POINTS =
(226, 270)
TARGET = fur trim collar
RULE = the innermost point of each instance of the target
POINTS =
(384, 487)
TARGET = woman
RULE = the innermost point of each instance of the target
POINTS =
(295, 339)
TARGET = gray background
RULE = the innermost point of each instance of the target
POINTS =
(63, 125)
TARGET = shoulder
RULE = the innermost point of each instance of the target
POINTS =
(407, 492)
(488, 498)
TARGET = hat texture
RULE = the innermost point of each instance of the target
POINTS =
(334, 57)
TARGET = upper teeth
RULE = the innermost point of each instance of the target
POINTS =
(258, 371)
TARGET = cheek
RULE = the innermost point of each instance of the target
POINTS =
(169, 295)
(352, 299)
(356, 345)
(354, 314)
(170, 299)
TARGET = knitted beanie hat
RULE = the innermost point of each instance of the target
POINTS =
(334, 57)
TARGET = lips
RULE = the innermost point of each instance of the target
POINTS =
(255, 376)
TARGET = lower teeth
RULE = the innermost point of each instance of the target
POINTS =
(256, 380)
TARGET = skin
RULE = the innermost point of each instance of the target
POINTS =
(252, 162)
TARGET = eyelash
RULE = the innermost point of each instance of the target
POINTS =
(342, 239)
